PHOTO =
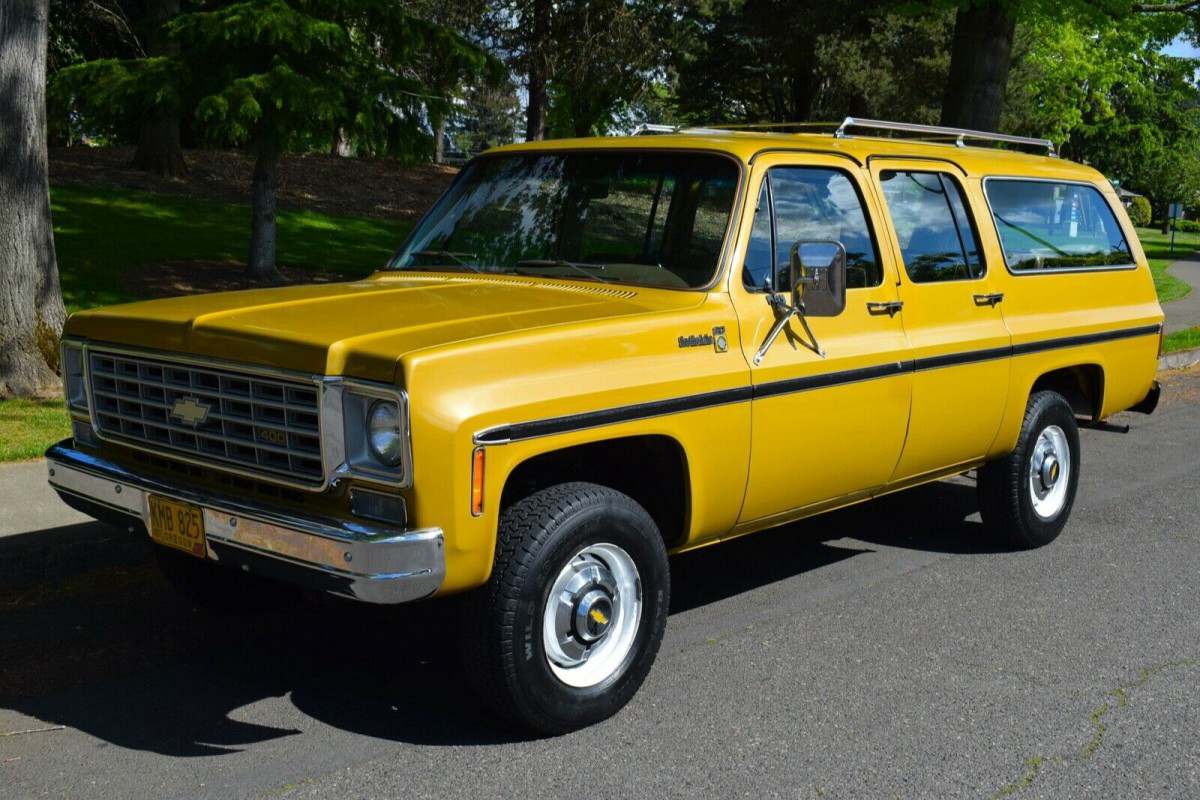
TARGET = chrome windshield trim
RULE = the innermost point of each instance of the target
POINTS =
(725, 253)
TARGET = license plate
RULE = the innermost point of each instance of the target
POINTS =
(178, 525)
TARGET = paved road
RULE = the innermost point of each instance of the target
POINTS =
(887, 651)
(1185, 312)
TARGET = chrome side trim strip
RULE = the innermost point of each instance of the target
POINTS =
(504, 434)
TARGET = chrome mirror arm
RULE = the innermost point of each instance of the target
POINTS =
(815, 346)
(786, 312)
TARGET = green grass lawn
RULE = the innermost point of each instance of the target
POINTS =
(28, 427)
(1181, 340)
(99, 233)
(1158, 252)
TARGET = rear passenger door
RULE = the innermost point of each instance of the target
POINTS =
(952, 313)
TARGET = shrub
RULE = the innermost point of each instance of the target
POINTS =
(1139, 212)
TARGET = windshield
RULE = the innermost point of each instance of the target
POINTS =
(621, 217)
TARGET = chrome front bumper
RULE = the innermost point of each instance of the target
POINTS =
(364, 562)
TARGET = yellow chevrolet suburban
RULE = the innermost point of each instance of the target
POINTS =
(593, 353)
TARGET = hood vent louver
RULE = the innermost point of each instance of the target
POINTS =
(594, 289)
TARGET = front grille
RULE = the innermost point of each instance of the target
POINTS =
(222, 415)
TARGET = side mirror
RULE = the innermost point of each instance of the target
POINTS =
(817, 276)
(817, 280)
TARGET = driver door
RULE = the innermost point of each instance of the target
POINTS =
(825, 428)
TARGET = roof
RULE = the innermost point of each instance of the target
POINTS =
(747, 145)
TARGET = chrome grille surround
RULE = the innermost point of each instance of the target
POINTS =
(259, 421)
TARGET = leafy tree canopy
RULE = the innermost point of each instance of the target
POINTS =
(1108, 95)
(281, 74)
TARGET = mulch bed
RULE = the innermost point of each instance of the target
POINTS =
(363, 187)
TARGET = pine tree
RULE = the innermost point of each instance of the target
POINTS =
(272, 76)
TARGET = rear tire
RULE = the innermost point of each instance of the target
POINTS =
(1026, 498)
(568, 626)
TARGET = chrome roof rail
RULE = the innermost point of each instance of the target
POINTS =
(645, 128)
(651, 128)
(959, 135)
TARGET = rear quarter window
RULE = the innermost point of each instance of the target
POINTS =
(1055, 225)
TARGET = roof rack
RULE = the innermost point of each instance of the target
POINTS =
(959, 135)
(650, 128)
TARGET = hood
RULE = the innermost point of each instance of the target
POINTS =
(361, 329)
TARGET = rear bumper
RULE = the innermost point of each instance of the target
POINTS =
(364, 562)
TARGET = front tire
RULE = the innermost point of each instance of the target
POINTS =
(569, 624)
(1026, 498)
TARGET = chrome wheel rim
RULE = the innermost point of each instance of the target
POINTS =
(1049, 472)
(592, 614)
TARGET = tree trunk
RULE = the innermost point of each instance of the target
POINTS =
(340, 146)
(980, 58)
(158, 148)
(539, 73)
(31, 306)
(439, 139)
(260, 264)
(804, 81)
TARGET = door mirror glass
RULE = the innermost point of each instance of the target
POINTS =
(817, 278)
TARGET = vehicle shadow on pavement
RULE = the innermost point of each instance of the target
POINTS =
(941, 517)
(141, 669)
(115, 653)
(717, 573)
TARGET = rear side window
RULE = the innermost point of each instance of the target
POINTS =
(810, 204)
(935, 234)
(1055, 225)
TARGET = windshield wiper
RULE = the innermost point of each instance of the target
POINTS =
(549, 263)
(457, 258)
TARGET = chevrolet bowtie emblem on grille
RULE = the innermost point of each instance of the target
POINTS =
(190, 411)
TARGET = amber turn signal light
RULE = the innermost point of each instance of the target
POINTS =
(477, 483)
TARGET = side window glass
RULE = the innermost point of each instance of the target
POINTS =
(966, 228)
(759, 251)
(1051, 225)
(815, 204)
(937, 241)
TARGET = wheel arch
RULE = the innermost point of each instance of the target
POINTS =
(1081, 385)
(652, 469)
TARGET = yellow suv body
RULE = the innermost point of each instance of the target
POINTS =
(593, 352)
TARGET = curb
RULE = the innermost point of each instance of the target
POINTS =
(1181, 360)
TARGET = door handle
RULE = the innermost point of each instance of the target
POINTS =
(885, 308)
(989, 299)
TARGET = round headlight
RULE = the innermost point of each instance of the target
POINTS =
(383, 432)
